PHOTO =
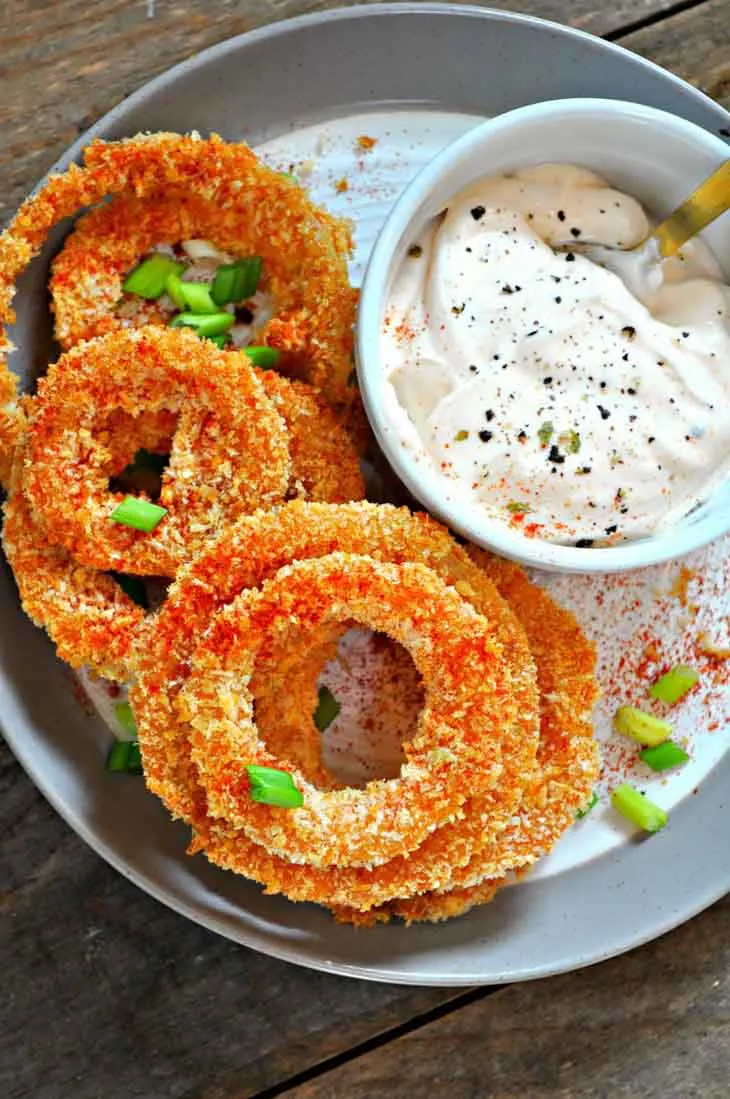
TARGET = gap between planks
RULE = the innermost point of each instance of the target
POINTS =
(314, 1072)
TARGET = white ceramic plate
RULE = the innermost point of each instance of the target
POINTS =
(413, 77)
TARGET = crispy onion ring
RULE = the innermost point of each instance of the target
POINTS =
(324, 462)
(457, 746)
(568, 758)
(87, 275)
(229, 451)
(87, 615)
(317, 322)
(243, 558)
(85, 612)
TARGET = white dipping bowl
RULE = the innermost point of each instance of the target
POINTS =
(654, 156)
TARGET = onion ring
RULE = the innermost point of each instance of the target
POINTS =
(209, 188)
(229, 452)
(324, 462)
(455, 752)
(568, 756)
(317, 325)
(242, 558)
(85, 612)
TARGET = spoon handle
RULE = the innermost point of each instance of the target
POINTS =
(711, 199)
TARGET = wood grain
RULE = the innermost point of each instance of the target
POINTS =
(694, 44)
(654, 1023)
(65, 63)
(91, 963)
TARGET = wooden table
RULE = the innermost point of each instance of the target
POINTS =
(108, 994)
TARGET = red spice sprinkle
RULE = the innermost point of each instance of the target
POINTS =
(342, 185)
(366, 143)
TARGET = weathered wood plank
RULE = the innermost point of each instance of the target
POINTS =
(654, 1023)
(64, 64)
(108, 993)
(694, 44)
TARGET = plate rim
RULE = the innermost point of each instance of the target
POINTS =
(253, 937)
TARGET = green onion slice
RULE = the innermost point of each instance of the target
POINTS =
(140, 514)
(264, 357)
(149, 279)
(327, 709)
(205, 324)
(674, 684)
(173, 287)
(662, 757)
(221, 340)
(196, 296)
(273, 787)
(642, 727)
(237, 281)
(125, 717)
(125, 758)
(638, 809)
(580, 813)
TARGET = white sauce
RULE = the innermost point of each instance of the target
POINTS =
(537, 384)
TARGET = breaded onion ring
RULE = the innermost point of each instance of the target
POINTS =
(324, 462)
(229, 452)
(85, 612)
(222, 193)
(309, 246)
(568, 758)
(455, 752)
(242, 558)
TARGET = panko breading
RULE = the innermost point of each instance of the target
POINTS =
(220, 192)
(568, 758)
(229, 451)
(87, 615)
(316, 326)
(456, 751)
(84, 611)
(324, 462)
(253, 550)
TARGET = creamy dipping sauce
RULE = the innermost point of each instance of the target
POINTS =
(536, 384)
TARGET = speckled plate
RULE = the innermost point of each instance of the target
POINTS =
(412, 76)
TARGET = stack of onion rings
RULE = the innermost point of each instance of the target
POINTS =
(178, 741)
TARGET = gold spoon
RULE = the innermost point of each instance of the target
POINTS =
(707, 202)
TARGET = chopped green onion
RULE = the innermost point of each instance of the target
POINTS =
(674, 684)
(273, 787)
(545, 432)
(125, 717)
(133, 587)
(580, 813)
(327, 709)
(173, 287)
(125, 758)
(461, 436)
(149, 279)
(221, 340)
(664, 756)
(264, 357)
(140, 514)
(237, 281)
(205, 324)
(638, 809)
(196, 296)
(642, 727)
